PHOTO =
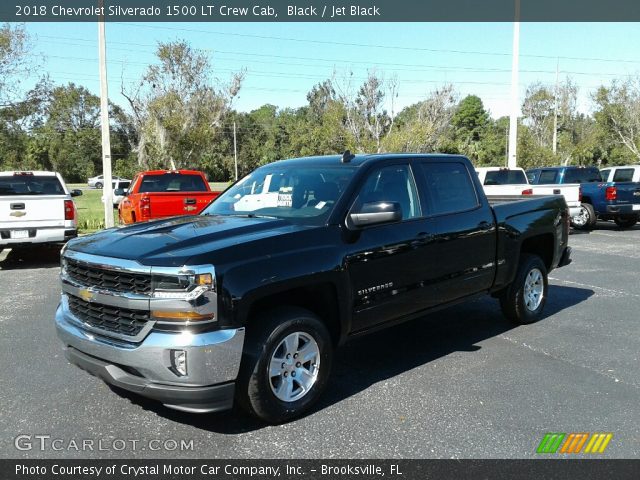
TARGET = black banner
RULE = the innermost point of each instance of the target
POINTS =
(561, 469)
(320, 10)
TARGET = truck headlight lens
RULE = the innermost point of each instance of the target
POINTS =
(182, 286)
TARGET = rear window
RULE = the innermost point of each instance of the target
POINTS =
(605, 174)
(172, 182)
(30, 185)
(582, 175)
(505, 177)
(623, 175)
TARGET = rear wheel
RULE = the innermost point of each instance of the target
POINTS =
(523, 301)
(285, 365)
(585, 219)
(626, 221)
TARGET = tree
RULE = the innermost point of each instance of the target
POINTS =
(178, 108)
(618, 113)
(366, 118)
(470, 122)
(423, 127)
(537, 110)
(16, 62)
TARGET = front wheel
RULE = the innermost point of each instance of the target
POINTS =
(626, 221)
(585, 219)
(285, 365)
(523, 301)
(98, 185)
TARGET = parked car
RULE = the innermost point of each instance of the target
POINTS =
(500, 182)
(627, 173)
(164, 193)
(248, 302)
(617, 201)
(36, 208)
(98, 181)
(122, 186)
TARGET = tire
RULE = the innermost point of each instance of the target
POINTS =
(275, 340)
(519, 302)
(586, 219)
(626, 221)
(98, 185)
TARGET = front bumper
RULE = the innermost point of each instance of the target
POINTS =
(213, 360)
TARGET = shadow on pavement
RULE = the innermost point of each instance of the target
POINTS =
(31, 257)
(379, 356)
(605, 227)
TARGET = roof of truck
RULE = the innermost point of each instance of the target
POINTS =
(360, 159)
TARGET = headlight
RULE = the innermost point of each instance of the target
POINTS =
(182, 286)
(184, 296)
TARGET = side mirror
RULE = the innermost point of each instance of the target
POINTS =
(76, 193)
(119, 191)
(375, 213)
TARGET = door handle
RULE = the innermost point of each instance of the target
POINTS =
(422, 238)
(484, 225)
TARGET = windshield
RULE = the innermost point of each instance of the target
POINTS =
(30, 185)
(505, 177)
(302, 194)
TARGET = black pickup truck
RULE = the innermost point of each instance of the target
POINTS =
(247, 301)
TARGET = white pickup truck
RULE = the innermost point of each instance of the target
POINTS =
(501, 182)
(36, 208)
(626, 173)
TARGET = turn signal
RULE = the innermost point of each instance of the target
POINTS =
(173, 316)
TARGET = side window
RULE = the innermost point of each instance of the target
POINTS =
(449, 188)
(623, 175)
(391, 184)
(547, 176)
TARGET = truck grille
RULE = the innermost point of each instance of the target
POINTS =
(113, 280)
(112, 319)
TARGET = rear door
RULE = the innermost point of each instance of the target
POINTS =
(464, 230)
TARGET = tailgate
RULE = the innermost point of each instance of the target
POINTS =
(571, 192)
(627, 193)
(171, 204)
(46, 210)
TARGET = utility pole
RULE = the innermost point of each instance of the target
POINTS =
(515, 107)
(555, 110)
(235, 149)
(104, 120)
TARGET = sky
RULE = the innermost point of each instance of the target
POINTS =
(284, 60)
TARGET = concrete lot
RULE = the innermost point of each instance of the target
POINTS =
(461, 383)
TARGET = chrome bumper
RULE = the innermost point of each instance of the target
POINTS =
(213, 360)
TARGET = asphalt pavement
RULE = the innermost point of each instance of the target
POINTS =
(460, 383)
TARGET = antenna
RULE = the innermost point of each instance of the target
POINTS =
(347, 156)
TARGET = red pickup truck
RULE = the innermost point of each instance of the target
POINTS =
(164, 193)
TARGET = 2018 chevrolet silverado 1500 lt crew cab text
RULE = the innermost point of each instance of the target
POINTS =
(35, 209)
(248, 302)
(607, 200)
(164, 193)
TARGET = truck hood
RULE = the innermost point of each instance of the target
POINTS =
(172, 242)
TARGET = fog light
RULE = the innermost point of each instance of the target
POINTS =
(179, 361)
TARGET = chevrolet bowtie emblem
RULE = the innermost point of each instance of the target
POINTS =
(18, 213)
(85, 294)
(189, 208)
